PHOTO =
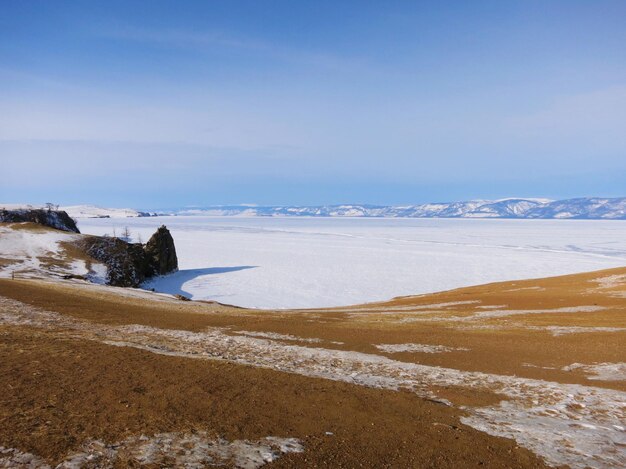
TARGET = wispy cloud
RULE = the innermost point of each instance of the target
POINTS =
(200, 40)
(8, 75)
(184, 38)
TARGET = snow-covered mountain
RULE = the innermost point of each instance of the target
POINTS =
(582, 208)
(589, 208)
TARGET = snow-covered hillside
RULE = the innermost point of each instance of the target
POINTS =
(92, 211)
(33, 251)
(83, 211)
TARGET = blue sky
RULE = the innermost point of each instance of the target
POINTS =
(163, 104)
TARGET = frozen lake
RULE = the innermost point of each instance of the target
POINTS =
(316, 262)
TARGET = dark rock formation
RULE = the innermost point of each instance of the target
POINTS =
(126, 262)
(130, 264)
(57, 219)
(161, 252)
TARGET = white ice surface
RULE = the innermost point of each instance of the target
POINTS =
(319, 262)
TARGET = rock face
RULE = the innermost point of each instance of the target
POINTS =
(130, 264)
(161, 252)
(126, 262)
(57, 219)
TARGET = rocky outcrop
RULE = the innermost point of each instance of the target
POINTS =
(130, 264)
(161, 252)
(126, 262)
(57, 219)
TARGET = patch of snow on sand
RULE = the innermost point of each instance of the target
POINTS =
(581, 426)
(555, 330)
(501, 313)
(513, 312)
(563, 330)
(601, 371)
(276, 336)
(420, 307)
(530, 365)
(14, 458)
(192, 450)
(448, 304)
(407, 316)
(612, 282)
(406, 309)
(423, 348)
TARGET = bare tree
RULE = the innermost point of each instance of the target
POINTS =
(49, 206)
(125, 234)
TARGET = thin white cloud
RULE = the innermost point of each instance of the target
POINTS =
(200, 40)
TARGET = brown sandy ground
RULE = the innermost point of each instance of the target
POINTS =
(62, 387)
(60, 393)
(500, 345)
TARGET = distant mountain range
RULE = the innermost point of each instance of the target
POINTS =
(581, 208)
(589, 208)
